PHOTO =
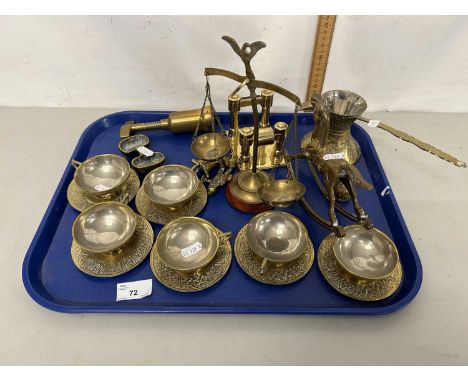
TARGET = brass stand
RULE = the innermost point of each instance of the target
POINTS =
(242, 192)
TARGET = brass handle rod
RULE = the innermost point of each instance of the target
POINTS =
(420, 144)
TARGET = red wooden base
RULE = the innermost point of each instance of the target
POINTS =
(245, 207)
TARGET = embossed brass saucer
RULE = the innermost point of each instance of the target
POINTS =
(287, 274)
(162, 216)
(128, 258)
(80, 201)
(346, 284)
(212, 273)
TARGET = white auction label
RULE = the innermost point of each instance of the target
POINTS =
(191, 249)
(134, 290)
(333, 156)
(373, 123)
(145, 151)
(101, 187)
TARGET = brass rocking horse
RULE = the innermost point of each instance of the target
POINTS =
(336, 172)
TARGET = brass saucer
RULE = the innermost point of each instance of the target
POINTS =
(79, 201)
(210, 275)
(129, 257)
(345, 284)
(156, 215)
(288, 274)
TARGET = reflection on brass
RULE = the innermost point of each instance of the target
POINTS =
(270, 148)
(80, 201)
(128, 258)
(188, 244)
(211, 146)
(163, 216)
(101, 177)
(251, 182)
(352, 287)
(366, 253)
(336, 112)
(170, 187)
(276, 238)
(245, 140)
(277, 157)
(281, 193)
(273, 275)
(267, 103)
(246, 194)
(212, 273)
(104, 227)
(422, 145)
(178, 122)
(234, 105)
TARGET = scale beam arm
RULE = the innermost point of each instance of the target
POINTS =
(257, 83)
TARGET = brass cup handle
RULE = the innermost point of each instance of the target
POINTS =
(225, 236)
(263, 267)
(75, 163)
(197, 273)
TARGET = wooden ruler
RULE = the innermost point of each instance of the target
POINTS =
(323, 40)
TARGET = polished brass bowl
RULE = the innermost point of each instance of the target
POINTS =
(102, 175)
(276, 237)
(366, 254)
(281, 193)
(170, 186)
(104, 227)
(211, 146)
(188, 244)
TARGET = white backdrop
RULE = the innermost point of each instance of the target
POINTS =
(395, 62)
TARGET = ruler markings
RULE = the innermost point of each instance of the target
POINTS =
(321, 52)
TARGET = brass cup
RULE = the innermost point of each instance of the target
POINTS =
(101, 177)
(276, 238)
(104, 228)
(170, 187)
(365, 255)
(188, 245)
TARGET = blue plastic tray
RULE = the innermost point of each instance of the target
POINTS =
(53, 281)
